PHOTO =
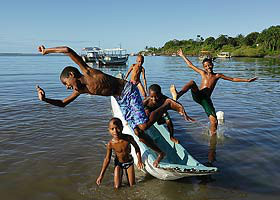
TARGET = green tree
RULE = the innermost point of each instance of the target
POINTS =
(209, 41)
(232, 41)
(240, 40)
(270, 38)
(221, 41)
(251, 38)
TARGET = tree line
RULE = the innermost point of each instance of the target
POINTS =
(255, 44)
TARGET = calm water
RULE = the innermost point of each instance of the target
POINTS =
(53, 153)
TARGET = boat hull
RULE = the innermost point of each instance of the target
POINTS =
(178, 163)
(113, 60)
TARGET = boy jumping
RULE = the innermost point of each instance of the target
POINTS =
(202, 95)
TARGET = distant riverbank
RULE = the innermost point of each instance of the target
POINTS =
(255, 44)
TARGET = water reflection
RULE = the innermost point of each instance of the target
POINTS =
(53, 156)
(212, 150)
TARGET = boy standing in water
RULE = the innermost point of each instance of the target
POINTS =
(136, 70)
(95, 82)
(202, 95)
(154, 101)
(120, 143)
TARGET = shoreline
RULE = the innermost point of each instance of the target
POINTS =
(191, 55)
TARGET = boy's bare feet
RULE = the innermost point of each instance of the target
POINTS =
(159, 158)
(173, 92)
(173, 139)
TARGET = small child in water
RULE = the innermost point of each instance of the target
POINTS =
(120, 143)
(154, 101)
(136, 70)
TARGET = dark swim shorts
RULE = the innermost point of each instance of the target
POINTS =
(125, 165)
(205, 102)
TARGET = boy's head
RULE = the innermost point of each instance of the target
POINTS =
(140, 59)
(115, 127)
(69, 77)
(155, 92)
(208, 64)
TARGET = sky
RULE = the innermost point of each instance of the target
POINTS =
(133, 25)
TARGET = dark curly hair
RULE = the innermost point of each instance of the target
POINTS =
(156, 88)
(65, 72)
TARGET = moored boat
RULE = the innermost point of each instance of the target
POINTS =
(116, 56)
(224, 55)
(91, 54)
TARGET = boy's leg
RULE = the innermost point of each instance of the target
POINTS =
(141, 89)
(117, 176)
(146, 139)
(171, 131)
(213, 125)
(212, 149)
(130, 174)
(150, 143)
(176, 95)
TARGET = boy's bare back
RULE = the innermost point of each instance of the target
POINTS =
(99, 83)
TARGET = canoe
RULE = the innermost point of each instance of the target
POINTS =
(177, 163)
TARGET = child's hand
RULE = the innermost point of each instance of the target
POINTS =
(41, 93)
(42, 49)
(187, 118)
(252, 79)
(180, 52)
(98, 180)
(140, 165)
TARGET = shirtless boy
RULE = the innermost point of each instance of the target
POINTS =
(95, 82)
(154, 101)
(136, 70)
(202, 95)
(120, 143)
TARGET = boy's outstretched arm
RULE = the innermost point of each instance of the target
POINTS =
(105, 164)
(189, 63)
(128, 72)
(237, 79)
(68, 51)
(55, 102)
(144, 79)
(140, 164)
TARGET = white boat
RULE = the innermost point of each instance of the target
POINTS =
(91, 54)
(178, 163)
(116, 56)
(224, 55)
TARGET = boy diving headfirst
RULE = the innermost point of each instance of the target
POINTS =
(95, 82)
(203, 94)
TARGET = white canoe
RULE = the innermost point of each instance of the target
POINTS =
(177, 163)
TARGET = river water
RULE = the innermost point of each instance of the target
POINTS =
(47, 152)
